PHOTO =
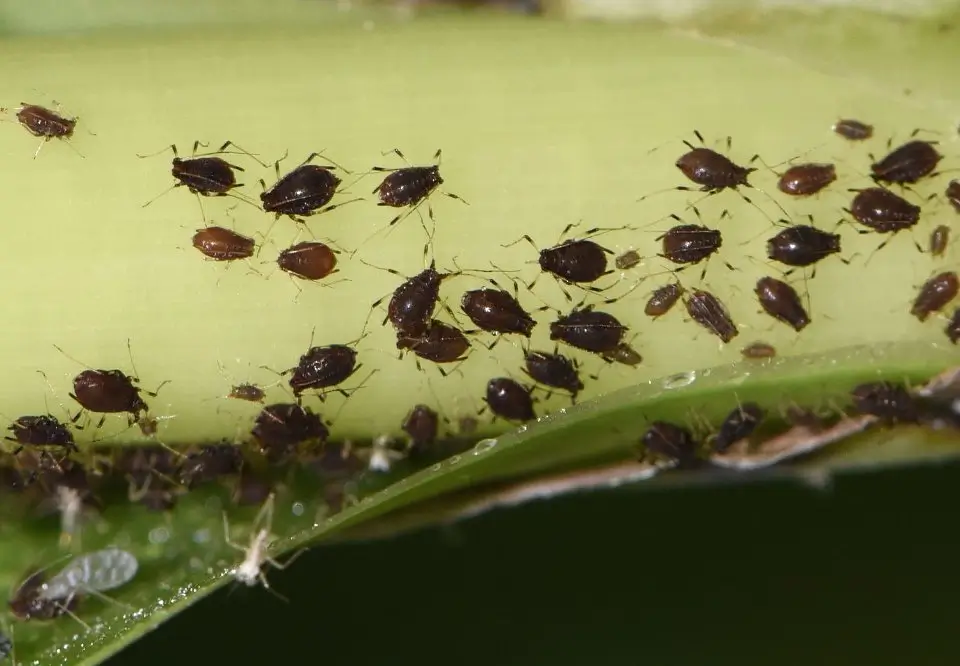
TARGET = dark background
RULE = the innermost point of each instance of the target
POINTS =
(867, 572)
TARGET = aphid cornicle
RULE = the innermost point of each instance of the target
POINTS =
(883, 211)
(907, 163)
(440, 343)
(323, 367)
(738, 425)
(302, 192)
(781, 301)
(672, 442)
(589, 329)
(497, 311)
(853, 130)
(802, 245)
(663, 299)
(221, 244)
(280, 428)
(553, 370)
(308, 260)
(935, 294)
(509, 400)
(708, 311)
(803, 180)
(41, 431)
(889, 402)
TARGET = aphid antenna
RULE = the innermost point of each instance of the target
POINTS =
(223, 150)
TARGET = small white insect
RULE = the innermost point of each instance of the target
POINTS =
(381, 456)
(93, 573)
(250, 570)
(70, 504)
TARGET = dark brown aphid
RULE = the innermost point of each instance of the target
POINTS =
(883, 211)
(323, 367)
(247, 392)
(853, 130)
(553, 370)
(209, 463)
(907, 163)
(422, 426)
(413, 303)
(758, 350)
(589, 329)
(624, 354)
(308, 260)
(802, 245)
(627, 260)
(803, 180)
(497, 311)
(410, 186)
(782, 302)
(222, 244)
(711, 170)
(42, 122)
(663, 299)
(302, 192)
(41, 431)
(939, 239)
(280, 428)
(707, 310)
(889, 402)
(208, 176)
(952, 328)
(739, 424)
(27, 604)
(953, 194)
(672, 442)
(690, 243)
(509, 400)
(578, 261)
(935, 294)
(108, 392)
(440, 343)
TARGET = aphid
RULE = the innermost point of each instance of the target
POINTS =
(553, 370)
(250, 570)
(69, 502)
(108, 392)
(689, 243)
(413, 303)
(953, 327)
(711, 170)
(221, 244)
(422, 425)
(27, 604)
(939, 239)
(96, 572)
(302, 192)
(802, 180)
(935, 294)
(509, 400)
(883, 211)
(663, 299)
(627, 260)
(802, 245)
(42, 122)
(907, 163)
(575, 261)
(308, 260)
(781, 301)
(853, 130)
(887, 401)
(41, 431)
(707, 310)
(247, 392)
(209, 463)
(739, 424)
(280, 428)
(672, 442)
(953, 194)
(410, 186)
(759, 350)
(497, 311)
(624, 354)
(207, 175)
(323, 367)
(440, 343)
(589, 329)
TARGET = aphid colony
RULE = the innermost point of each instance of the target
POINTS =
(44, 463)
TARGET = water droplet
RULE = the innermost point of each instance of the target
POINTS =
(679, 380)
(159, 535)
(297, 509)
(483, 446)
(436, 468)
(454, 460)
